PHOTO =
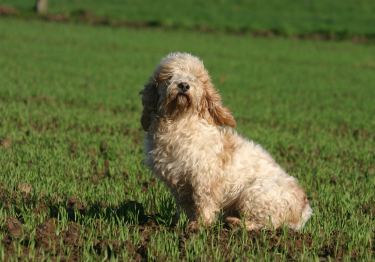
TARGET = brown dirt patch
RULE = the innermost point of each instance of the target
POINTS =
(287, 242)
(371, 170)
(50, 234)
(23, 187)
(46, 238)
(148, 184)
(7, 10)
(14, 227)
(369, 208)
(57, 17)
(6, 143)
(290, 242)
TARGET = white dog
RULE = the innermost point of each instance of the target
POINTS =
(209, 167)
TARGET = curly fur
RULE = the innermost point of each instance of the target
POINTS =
(207, 166)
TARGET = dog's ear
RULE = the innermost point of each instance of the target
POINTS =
(149, 102)
(213, 111)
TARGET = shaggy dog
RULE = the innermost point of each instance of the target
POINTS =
(207, 166)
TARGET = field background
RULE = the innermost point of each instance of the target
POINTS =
(72, 183)
(338, 17)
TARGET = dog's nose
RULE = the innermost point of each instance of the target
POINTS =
(184, 86)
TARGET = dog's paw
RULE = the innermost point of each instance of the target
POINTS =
(232, 222)
(194, 226)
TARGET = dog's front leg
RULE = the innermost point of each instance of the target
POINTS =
(207, 196)
(184, 200)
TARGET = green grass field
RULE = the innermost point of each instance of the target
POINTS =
(72, 183)
(340, 17)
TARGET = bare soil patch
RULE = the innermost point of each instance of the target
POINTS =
(7, 10)
(6, 143)
(49, 239)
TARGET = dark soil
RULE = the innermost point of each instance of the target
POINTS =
(369, 208)
(7, 10)
(293, 244)
(6, 143)
(284, 241)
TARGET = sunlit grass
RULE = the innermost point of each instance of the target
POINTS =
(69, 103)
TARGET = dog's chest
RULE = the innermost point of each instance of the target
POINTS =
(180, 150)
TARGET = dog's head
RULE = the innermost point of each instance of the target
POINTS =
(181, 85)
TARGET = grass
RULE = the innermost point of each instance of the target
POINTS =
(71, 143)
(338, 17)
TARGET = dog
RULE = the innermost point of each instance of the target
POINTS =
(209, 168)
